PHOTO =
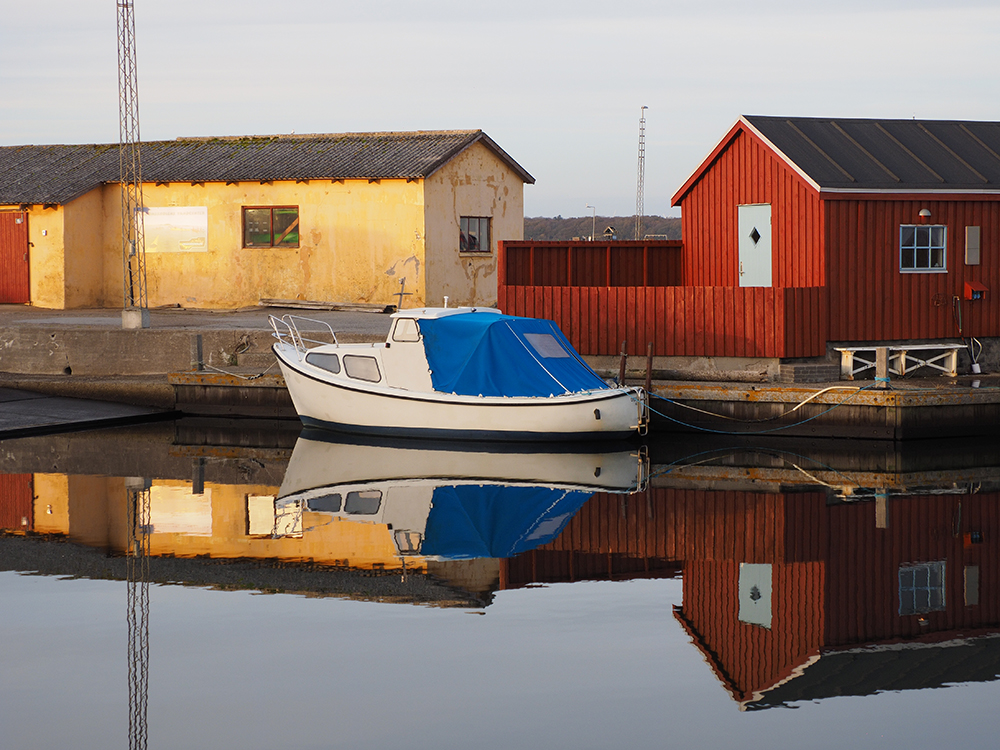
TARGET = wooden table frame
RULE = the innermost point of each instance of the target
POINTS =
(903, 358)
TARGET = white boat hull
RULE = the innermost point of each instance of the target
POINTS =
(334, 402)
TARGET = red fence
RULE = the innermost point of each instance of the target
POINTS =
(680, 321)
(603, 293)
(619, 263)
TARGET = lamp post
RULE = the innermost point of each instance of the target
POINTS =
(593, 221)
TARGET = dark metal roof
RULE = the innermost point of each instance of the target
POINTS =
(58, 174)
(867, 671)
(897, 155)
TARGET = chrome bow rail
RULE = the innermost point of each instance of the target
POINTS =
(286, 330)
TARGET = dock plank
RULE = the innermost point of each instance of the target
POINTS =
(26, 413)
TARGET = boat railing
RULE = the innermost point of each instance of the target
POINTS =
(642, 480)
(286, 330)
(643, 403)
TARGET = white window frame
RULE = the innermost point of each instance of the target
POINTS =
(930, 246)
(922, 588)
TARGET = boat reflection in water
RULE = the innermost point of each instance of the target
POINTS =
(446, 502)
(344, 515)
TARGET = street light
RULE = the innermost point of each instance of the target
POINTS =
(593, 221)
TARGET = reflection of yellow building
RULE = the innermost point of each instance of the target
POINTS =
(339, 218)
(222, 522)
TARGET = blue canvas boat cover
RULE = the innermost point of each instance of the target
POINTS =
(490, 354)
(470, 521)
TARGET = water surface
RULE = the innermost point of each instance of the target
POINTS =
(694, 595)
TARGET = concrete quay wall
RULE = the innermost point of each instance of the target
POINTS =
(117, 352)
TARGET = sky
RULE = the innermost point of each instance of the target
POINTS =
(557, 84)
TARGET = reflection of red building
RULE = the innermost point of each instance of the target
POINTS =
(830, 576)
(16, 502)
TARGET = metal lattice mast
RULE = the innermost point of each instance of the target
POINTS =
(640, 173)
(137, 573)
(130, 167)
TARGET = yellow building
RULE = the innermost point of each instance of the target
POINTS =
(230, 221)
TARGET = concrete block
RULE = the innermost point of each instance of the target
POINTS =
(135, 317)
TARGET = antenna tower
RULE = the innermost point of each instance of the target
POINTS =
(640, 173)
(137, 574)
(135, 313)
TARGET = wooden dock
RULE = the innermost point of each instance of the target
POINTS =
(930, 408)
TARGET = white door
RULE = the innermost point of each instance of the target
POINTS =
(754, 227)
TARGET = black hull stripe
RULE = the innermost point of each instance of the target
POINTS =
(444, 434)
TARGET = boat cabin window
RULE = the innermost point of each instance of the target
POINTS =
(546, 345)
(363, 502)
(325, 503)
(329, 362)
(361, 368)
(406, 330)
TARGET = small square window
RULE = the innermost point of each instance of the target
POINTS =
(923, 248)
(276, 226)
(921, 588)
(474, 234)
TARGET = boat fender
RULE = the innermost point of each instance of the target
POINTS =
(597, 414)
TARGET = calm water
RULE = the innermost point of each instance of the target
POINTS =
(685, 594)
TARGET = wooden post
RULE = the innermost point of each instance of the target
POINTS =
(881, 367)
(621, 366)
(649, 366)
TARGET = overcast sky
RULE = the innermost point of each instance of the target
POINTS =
(557, 84)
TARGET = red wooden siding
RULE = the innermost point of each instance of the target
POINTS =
(644, 263)
(678, 524)
(835, 575)
(751, 658)
(17, 502)
(744, 172)
(870, 300)
(682, 321)
(14, 286)
(863, 565)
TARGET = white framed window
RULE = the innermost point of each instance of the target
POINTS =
(923, 248)
(361, 368)
(921, 588)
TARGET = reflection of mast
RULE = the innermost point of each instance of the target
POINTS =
(137, 564)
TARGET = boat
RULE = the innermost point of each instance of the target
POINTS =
(453, 373)
(452, 501)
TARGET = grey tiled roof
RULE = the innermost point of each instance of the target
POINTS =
(893, 155)
(58, 174)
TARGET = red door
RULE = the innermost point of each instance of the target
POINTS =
(17, 502)
(14, 257)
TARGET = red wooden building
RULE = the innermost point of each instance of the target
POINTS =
(851, 599)
(798, 232)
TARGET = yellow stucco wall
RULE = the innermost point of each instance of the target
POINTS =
(46, 266)
(475, 183)
(51, 505)
(356, 240)
(83, 237)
